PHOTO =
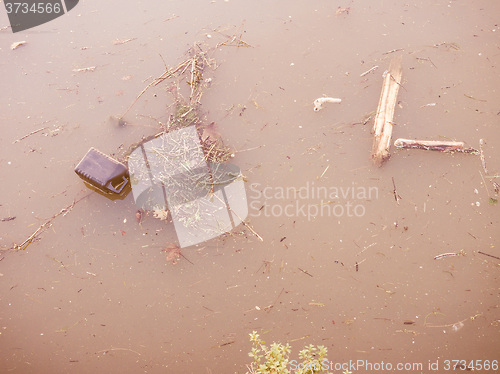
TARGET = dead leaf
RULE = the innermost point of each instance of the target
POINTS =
(160, 214)
(210, 133)
(139, 215)
(173, 253)
(17, 44)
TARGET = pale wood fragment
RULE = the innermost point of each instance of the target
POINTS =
(382, 127)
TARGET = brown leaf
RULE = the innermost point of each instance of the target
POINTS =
(210, 132)
(173, 253)
(139, 215)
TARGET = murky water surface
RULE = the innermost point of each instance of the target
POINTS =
(355, 273)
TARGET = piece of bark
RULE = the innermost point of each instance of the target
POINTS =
(433, 145)
(382, 127)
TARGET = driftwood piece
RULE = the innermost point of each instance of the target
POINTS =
(433, 145)
(382, 127)
(318, 103)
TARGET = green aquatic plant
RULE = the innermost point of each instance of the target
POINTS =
(275, 359)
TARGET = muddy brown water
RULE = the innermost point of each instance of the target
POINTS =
(95, 294)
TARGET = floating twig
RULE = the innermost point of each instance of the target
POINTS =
(305, 272)
(459, 323)
(386, 291)
(165, 75)
(481, 155)
(90, 68)
(321, 176)
(447, 45)
(484, 183)
(269, 307)
(242, 221)
(235, 40)
(369, 71)
(224, 344)
(312, 303)
(171, 18)
(435, 313)
(427, 59)
(17, 44)
(118, 349)
(395, 192)
(449, 254)
(123, 41)
(65, 268)
(185, 258)
(31, 133)
(433, 145)
(393, 50)
(66, 328)
(250, 149)
(496, 186)
(302, 338)
(474, 98)
(267, 266)
(47, 224)
(365, 248)
(486, 254)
